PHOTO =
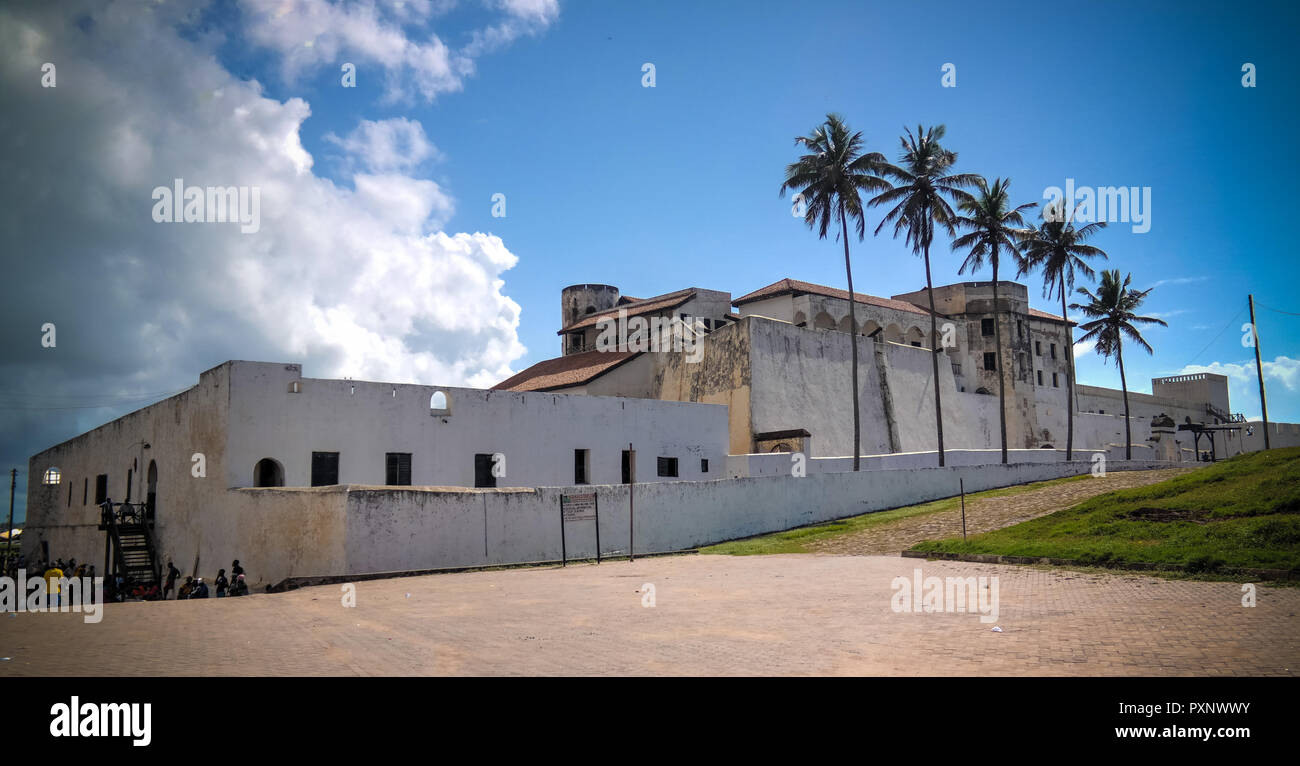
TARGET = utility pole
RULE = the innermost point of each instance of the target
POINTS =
(1259, 369)
(9, 546)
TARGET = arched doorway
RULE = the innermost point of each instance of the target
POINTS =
(268, 473)
(151, 497)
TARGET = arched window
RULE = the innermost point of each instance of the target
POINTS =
(800, 319)
(52, 476)
(268, 473)
(439, 403)
(824, 321)
(845, 325)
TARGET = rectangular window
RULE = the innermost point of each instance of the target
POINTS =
(1020, 329)
(667, 466)
(85, 490)
(324, 469)
(916, 343)
(986, 327)
(128, 485)
(580, 466)
(991, 361)
(101, 488)
(397, 468)
(704, 465)
(1040, 377)
(1038, 348)
(1053, 350)
(1055, 383)
(69, 494)
(483, 477)
(629, 464)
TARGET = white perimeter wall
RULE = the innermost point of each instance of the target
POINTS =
(391, 530)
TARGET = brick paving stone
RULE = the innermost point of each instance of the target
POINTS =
(715, 615)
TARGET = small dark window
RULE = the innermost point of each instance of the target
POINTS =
(85, 490)
(1038, 347)
(667, 466)
(1020, 329)
(986, 327)
(916, 343)
(704, 465)
(398, 469)
(324, 469)
(1053, 350)
(128, 485)
(991, 361)
(1040, 377)
(580, 466)
(69, 494)
(628, 460)
(1055, 383)
(483, 477)
(101, 488)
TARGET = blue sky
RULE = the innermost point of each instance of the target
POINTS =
(649, 189)
(652, 189)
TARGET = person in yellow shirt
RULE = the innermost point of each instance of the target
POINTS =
(52, 577)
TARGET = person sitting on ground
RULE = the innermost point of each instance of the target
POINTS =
(222, 583)
(200, 589)
(186, 589)
(240, 588)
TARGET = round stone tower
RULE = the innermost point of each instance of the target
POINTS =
(576, 301)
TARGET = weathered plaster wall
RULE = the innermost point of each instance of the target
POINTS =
(536, 432)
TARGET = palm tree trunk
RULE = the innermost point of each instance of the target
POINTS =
(934, 352)
(853, 345)
(1069, 376)
(1123, 384)
(997, 338)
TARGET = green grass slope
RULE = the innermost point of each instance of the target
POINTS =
(1243, 512)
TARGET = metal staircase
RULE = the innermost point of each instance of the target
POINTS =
(130, 536)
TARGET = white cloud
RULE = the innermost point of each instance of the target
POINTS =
(353, 282)
(1178, 281)
(394, 36)
(382, 146)
(1283, 370)
(1084, 348)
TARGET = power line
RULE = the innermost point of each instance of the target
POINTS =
(1235, 317)
(1278, 311)
(124, 402)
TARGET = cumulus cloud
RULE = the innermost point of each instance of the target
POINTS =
(394, 36)
(381, 146)
(1243, 382)
(356, 281)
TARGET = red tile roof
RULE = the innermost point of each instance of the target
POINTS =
(633, 308)
(565, 371)
(799, 288)
(1045, 315)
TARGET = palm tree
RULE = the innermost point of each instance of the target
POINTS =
(829, 179)
(994, 229)
(1113, 315)
(1057, 247)
(922, 183)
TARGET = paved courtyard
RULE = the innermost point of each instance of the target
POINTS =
(713, 615)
